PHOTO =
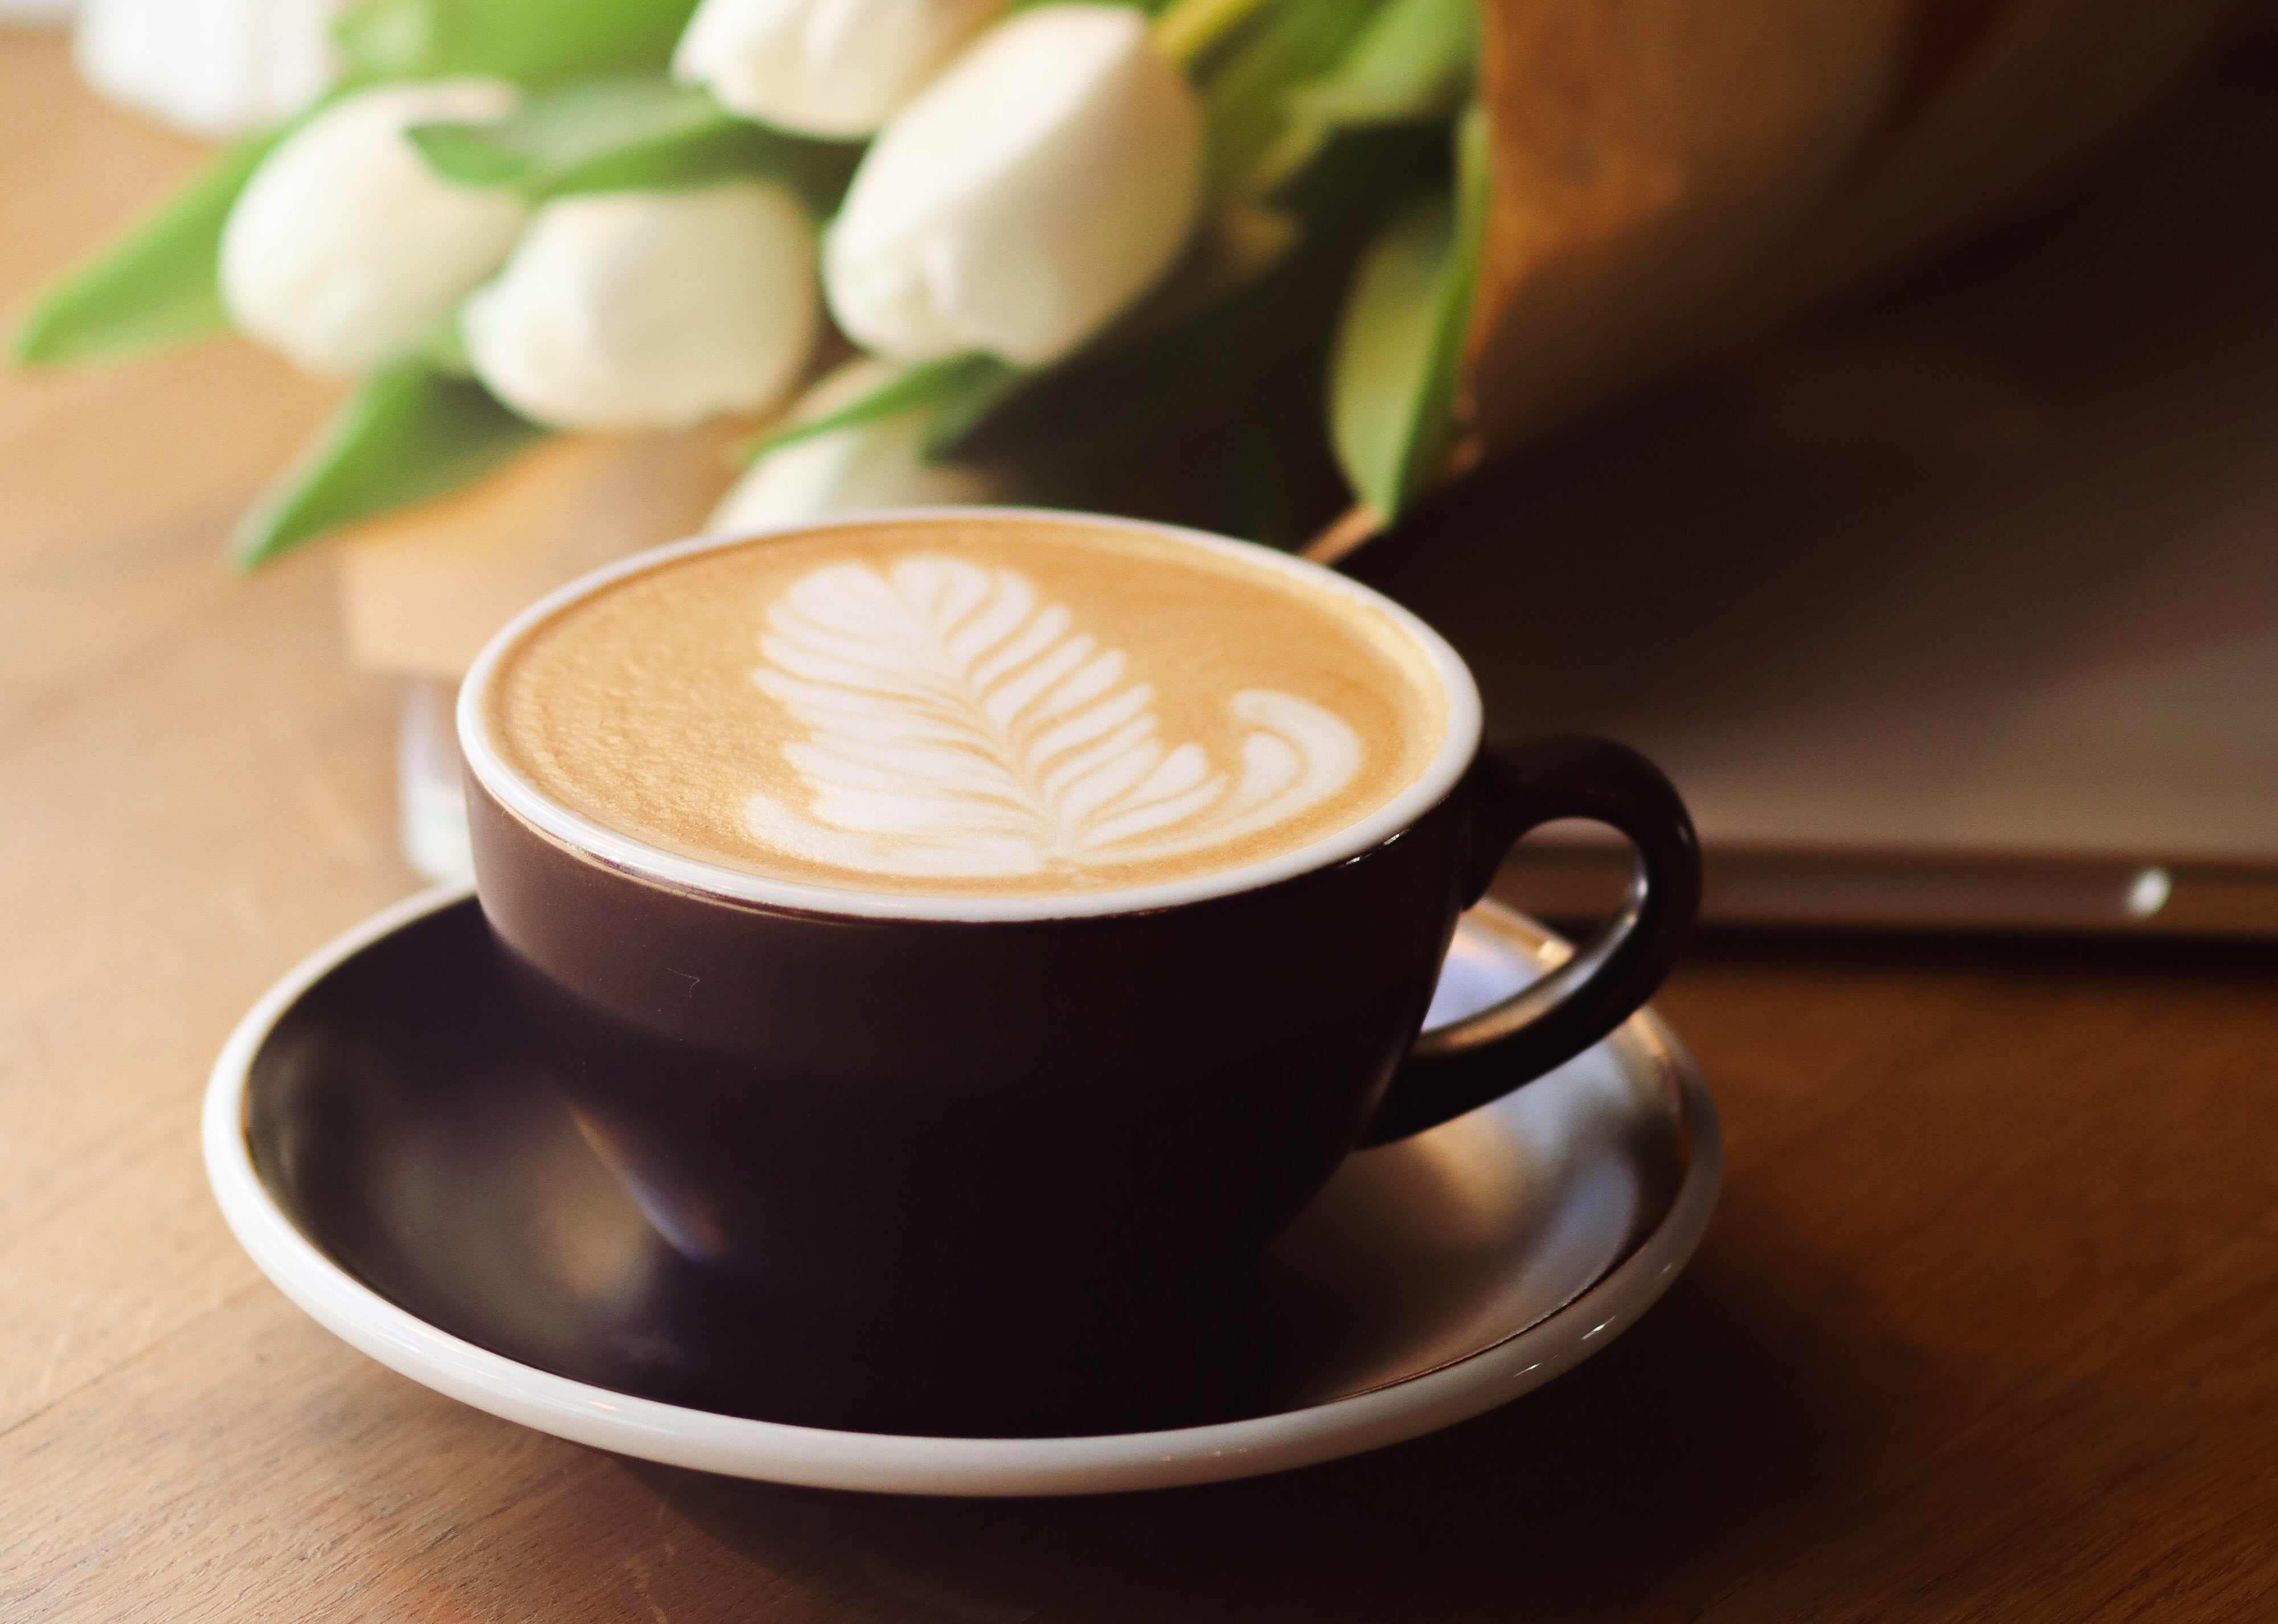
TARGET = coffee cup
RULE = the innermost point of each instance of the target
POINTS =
(985, 918)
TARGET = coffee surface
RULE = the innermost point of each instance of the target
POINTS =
(993, 705)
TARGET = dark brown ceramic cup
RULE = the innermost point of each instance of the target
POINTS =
(926, 1112)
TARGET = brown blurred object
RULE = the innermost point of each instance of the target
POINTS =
(1958, 608)
(1674, 179)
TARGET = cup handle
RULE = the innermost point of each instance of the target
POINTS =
(1455, 1068)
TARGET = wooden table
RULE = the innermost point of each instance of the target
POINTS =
(1987, 1327)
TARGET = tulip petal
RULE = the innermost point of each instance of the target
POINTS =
(833, 68)
(1026, 198)
(216, 68)
(345, 250)
(650, 310)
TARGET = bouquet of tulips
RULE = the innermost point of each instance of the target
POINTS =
(1254, 265)
(1209, 258)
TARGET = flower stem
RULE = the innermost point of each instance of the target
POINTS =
(1187, 28)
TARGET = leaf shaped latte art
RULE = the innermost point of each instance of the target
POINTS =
(957, 727)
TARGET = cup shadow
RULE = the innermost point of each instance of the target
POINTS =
(1630, 1476)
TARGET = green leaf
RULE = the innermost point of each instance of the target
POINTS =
(628, 132)
(1398, 363)
(1175, 361)
(925, 384)
(555, 135)
(530, 41)
(447, 352)
(153, 288)
(1414, 63)
(968, 397)
(406, 433)
(1246, 98)
(1189, 31)
(1255, 296)
(1255, 300)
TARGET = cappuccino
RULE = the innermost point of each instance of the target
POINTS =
(975, 705)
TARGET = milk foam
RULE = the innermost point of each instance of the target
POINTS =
(996, 705)
(956, 725)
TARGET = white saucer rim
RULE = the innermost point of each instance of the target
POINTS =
(892, 1463)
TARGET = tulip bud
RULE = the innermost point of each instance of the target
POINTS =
(875, 464)
(213, 67)
(345, 249)
(1025, 198)
(823, 67)
(650, 310)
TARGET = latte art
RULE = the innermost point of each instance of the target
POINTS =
(959, 726)
(983, 704)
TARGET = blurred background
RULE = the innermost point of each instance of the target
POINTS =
(1958, 607)
(1869, 411)
(1869, 407)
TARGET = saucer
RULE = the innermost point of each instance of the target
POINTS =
(397, 1164)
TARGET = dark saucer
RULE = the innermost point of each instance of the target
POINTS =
(394, 1120)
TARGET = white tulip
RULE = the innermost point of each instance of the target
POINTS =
(1027, 196)
(345, 249)
(650, 310)
(872, 465)
(823, 67)
(213, 67)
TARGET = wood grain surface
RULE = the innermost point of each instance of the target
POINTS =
(1987, 1327)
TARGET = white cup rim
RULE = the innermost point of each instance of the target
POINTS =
(524, 800)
